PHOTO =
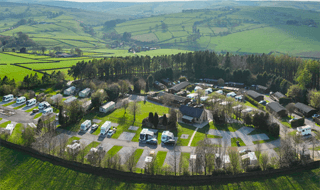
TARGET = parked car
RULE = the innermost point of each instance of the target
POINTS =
(315, 116)
(94, 127)
(292, 120)
(35, 111)
(263, 102)
(244, 151)
(152, 141)
(110, 133)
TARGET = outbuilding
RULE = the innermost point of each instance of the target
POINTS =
(107, 107)
(307, 111)
(255, 95)
(176, 88)
(262, 89)
(276, 109)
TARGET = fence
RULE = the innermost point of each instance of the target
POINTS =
(157, 179)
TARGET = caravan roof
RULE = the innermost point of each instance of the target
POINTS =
(69, 100)
(85, 90)
(106, 125)
(107, 104)
(303, 128)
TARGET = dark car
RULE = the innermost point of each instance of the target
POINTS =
(263, 102)
(35, 111)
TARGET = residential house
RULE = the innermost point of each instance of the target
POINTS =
(278, 95)
(176, 88)
(307, 111)
(276, 109)
(255, 95)
(193, 115)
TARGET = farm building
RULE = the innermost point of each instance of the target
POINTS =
(278, 95)
(107, 107)
(262, 89)
(69, 100)
(84, 93)
(307, 111)
(69, 90)
(211, 81)
(277, 109)
(179, 87)
(255, 95)
(193, 115)
(175, 99)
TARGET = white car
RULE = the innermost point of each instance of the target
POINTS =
(110, 133)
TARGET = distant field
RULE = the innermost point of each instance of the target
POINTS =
(14, 72)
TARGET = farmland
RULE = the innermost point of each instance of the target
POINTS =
(44, 175)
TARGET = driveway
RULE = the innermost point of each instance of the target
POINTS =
(19, 116)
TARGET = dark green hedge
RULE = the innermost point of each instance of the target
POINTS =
(253, 102)
(297, 122)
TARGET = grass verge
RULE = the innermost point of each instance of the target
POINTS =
(114, 150)
(234, 142)
(37, 116)
(4, 125)
(18, 107)
(161, 156)
(8, 104)
(30, 110)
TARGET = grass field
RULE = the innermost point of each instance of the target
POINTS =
(44, 175)
(114, 150)
(234, 142)
(160, 157)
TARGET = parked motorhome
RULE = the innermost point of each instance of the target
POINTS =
(167, 137)
(44, 105)
(21, 100)
(7, 98)
(85, 125)
(305, 130)
(69, 90)
(47, 111)
(107, 107)
(31, 102)
(84, 93)
(105, 127)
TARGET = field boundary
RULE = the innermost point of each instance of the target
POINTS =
(158, 179)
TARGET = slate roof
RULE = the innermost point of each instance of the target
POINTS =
(279, 95)
(176, 97)
(303, 107)
(262, 87)
(275, 106)
(190, 111)
(253, 94)
(180, 86)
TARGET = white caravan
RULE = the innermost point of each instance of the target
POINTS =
(44, 105)
(47, 111)
(105, 127)
(31, 102)
(84, 93)
(85, 125)
(7, 98)
(305, 130)
(20, 100)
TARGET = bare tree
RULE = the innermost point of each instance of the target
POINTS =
(63, 139)
(28, 135)
(167, 99)
(234, 166)
(142, 84)
(263, 161)
(290, 108)
(130, 162)
(205, 155)
(82, 154)
(125, 105)
(176, 152)
(134, 109)
(200, 93)
(258, 150)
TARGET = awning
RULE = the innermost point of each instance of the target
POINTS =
(187, 118)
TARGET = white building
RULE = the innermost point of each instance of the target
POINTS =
(84, 93)
(9, 128)
(252, 156)
(107, 107)
(69, 90)
(305, 130)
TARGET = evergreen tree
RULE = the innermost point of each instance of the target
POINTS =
(150, 117)
(164, 121)
(155, 120)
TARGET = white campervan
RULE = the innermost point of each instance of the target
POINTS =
(7, 98)
(105, 127)
(85, 125)
(47, 111)
(31, 102)
(20, 100)
(305, 130)
(44, 105)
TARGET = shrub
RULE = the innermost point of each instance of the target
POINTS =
(182, 79)
(297, 122)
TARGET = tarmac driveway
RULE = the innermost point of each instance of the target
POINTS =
(19, 116)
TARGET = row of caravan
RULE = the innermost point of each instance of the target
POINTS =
(19, 100)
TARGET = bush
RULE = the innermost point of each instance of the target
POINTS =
(297, 122)
(253, 102)
(274, 129)
(182, 79)
(285, 101)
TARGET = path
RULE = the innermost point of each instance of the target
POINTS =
(191, 139)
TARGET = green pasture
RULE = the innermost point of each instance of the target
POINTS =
(184, 129)
(11, 58)
(16, 73)
(45, 175)
(60, 64)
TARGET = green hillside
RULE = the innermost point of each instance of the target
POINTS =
(239, 29)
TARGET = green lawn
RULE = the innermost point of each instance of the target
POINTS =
(231, 127)
(30, 110)
(114, 150)
(37, 116)
(184, 129)
(160, 157)
(137, 155)
(45, 175)
(8, 104)
(234, 142)
(72, 139)
(16, 136)
(88, 148)
(18, 107)
(4, 125)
